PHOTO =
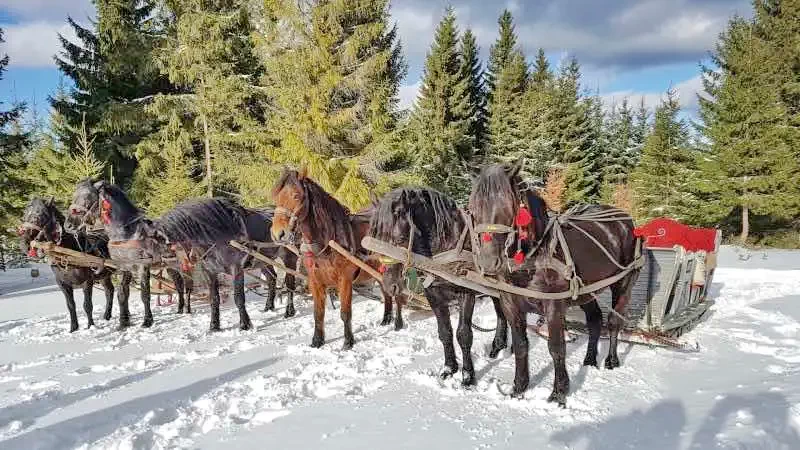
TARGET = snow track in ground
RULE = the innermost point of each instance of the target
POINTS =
(176, 385)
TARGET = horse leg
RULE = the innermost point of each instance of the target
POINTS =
(123, 295)
(464, 336)
(557, 345)
(620, 294)
(387, 308)
(177, 279)
(441, 310)
(272, 287)
(108, 287)
(238, 297)
(398, 316)
(69, 295)
(519, 342)
(319, 295)
(213, 292)
(594, 322)
(289, 282)
(88, 289)
(501, 332)
(345, 289)
(144, 273)
(188, 284)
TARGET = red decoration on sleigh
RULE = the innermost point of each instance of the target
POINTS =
(666, 233)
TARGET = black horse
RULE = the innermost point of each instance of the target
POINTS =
(202, 228)
(518, 242)
(124, 225)
(435, 224)
(42, 222)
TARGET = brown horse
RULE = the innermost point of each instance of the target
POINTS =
(302, 205)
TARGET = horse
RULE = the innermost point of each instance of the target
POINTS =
(517, 240)
(43, 222)
(434, 224)
(303, 207)
(205, 226)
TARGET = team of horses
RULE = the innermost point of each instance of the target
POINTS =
(509, 229)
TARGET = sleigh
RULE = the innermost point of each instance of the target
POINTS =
(669, 298)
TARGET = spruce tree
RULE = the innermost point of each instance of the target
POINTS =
(441, 120)
(618, 160)
(500, 53)
(473, 74)
(332, 75)
(12, 161)
(641, 129)
(749, 125)
(542, 75)
(661, 182)
(113, 75)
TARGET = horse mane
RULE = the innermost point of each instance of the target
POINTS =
(442, 227)
(121, 200)
(51, 208)
(207, 220)
(326, 218)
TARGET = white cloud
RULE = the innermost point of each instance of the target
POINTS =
(34, 44)
(686, 90)
(408, 94)
(49, 10)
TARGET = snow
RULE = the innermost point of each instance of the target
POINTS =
(176, 385)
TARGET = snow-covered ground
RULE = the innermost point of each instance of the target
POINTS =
(178, 386)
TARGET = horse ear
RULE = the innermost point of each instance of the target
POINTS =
(515, 168)
(51, 201)
(99, 184)
(303, 172)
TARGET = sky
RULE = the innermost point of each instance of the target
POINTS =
(627, 48)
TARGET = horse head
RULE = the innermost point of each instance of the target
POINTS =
(392, 222)
(84, 210)
(508, 218)
(41, 222)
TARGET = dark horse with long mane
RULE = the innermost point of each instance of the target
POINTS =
(303, 206)
(202, 228)
(87, 215)
(527, 251)
(42, 222)
(434, 224)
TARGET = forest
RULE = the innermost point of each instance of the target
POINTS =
(174, 99)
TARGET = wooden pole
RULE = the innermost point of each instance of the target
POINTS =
(367, 268)
(267, 260)
(426, 264)
(81, 259)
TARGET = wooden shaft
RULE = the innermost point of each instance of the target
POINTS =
(267, 260)
(367, 268)
(81, 259)
(425, 264)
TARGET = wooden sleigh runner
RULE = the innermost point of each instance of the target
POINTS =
(670, 296)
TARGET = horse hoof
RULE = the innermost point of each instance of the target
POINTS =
(123, 325)
(89, 327)
(107, 316)
(448, 372)
(348, 345)
(590, 361)
(147, 323)
(245, 326)
(73, 328)
(214, 328)
(496, 351)
(268, 308)
(468, 381)
(398, 325)
(290, 312)
(317, 342)
(558, 397)
(518, 395)
(386, 321)
(612, 363)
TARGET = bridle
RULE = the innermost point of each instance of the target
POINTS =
(516, 234)
(82, 215)
(43, 231)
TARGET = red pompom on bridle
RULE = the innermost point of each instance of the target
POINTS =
(524, 217)
(105, 211)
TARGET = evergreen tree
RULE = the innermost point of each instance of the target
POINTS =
(748, 123)
(574, 134)
(473, 74)
(619, 159)
(12, 161)
(661, 181)
(501, 52)
(113, 74)
(441, 120)
(538, 121)
(333, 70)
(641, 129)
(542, 75)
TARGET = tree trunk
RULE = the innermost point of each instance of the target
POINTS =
(208, 157)
(745, 224)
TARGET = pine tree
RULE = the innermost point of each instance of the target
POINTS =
(662, 178)
(12, 162)
(113, 75)
(541, 76)
(641, 129)
(574, 133)
(332, 75)
(500, 53)
(473, 74)
(441, 120)
(538, 121)
(748, 123)
(620, 158)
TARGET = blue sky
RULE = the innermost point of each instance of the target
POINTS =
(628, 48)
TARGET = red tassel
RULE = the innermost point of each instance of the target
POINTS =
(105, 211)
(523, 235)
(486, 237)
(524, 217)
(186, 266)
(382, 268)
(32, 253)
(519, 257)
